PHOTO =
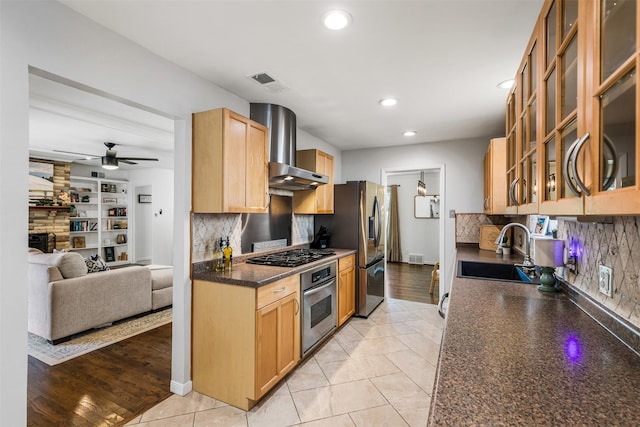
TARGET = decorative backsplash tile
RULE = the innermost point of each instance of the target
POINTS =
(615, 245)
(468, 225)
(207, 228)
(302, 229)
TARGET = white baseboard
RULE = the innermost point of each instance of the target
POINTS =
(181, 389)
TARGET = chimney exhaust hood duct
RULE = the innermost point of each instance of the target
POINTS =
(283, 172)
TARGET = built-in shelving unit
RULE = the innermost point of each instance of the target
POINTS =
(99, 221)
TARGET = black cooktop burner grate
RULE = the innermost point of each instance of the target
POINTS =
(291, 258)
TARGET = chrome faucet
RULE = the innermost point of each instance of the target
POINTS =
(527, 256)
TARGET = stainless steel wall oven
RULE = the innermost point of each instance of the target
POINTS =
(319, 305)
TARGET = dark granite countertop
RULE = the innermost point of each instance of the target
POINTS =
(253, 275)
(512, 355)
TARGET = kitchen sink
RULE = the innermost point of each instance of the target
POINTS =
(492, 271)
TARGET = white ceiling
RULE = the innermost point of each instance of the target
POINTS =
(442, 59)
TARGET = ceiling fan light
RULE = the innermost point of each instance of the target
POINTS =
(109, 163)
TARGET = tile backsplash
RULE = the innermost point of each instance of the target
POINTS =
(206, 228)
(615, 244)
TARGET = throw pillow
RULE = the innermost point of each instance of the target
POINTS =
(62, 251)
(70, 264)
(95, 263)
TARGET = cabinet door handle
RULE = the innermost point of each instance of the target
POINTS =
(277, 291)
(574, 168)
(512, 188)
(614, 155)
(568, 159)
(268, 200)
(297, 306)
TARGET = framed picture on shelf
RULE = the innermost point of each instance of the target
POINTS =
(538, 225)
(109, 254)
(79, 242)
(109, 200)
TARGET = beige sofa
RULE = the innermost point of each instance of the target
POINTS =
(64, 299)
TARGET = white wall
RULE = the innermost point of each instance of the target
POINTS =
(161, 183)
(53, 38)
(463, 179)
(417, 235)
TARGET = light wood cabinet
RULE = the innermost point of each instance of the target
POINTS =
(320, 200)
(244, 340)
(230, 163)
(522, 134)
(346, 288)
(613, 107)
(587, 113)
(495, 184)
(563, 120)
(277, 341)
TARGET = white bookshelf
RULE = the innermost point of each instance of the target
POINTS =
(101, 224)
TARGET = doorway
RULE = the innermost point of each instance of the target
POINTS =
(66, 112)
(420, 231)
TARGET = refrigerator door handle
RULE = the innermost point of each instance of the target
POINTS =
(378, 216)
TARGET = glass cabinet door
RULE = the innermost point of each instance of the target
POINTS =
(522, 135)
(563, 120)
(614, 99)
(512, 149)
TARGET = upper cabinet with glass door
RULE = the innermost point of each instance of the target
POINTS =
(589, 105)
(613, 104)
(564, 115)
(522, 135)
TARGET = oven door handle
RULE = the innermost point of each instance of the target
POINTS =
(319, 288)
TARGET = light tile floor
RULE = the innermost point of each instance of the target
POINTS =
(373, 372)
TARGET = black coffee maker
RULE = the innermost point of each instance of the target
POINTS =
(321, 241)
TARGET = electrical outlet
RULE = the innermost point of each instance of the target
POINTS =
(605, 280)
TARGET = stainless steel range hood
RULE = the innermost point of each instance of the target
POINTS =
(283, 173)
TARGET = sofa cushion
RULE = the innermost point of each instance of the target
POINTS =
(72, 265)
(161, 278)
(95, 263)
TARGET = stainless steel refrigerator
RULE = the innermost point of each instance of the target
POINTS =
(359, 223)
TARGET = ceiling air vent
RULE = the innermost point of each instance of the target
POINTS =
(268, 82)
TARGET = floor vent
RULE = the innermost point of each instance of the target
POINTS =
(416, 258)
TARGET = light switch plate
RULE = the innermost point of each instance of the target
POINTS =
(605, 280)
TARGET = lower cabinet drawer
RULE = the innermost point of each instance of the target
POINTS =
(274, 291)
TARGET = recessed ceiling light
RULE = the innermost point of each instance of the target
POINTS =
(388, 102)
(409, 133)
(336, 19)
(506, 84)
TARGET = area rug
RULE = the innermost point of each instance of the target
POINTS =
(52, 355)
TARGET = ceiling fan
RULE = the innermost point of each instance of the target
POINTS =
(110, 159)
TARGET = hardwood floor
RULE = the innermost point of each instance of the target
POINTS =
(410, 282)
(112, 385)
(106, 387)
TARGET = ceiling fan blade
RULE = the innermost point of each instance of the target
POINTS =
(137, 158)
(127, 162)
(78, 154)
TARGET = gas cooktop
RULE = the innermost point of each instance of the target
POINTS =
(291, 258)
